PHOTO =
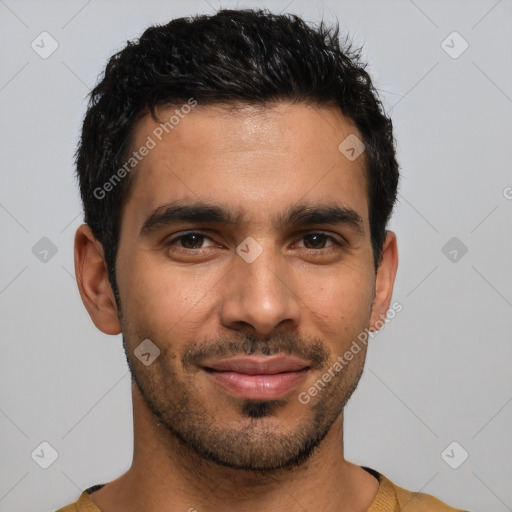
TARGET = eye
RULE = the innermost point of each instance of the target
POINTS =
(191, 241)
(317, 241)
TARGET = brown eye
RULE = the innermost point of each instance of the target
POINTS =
(191, 241)
(315, 240)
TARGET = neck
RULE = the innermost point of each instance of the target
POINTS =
(166, 476)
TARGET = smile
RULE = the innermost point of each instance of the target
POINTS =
(253, 378)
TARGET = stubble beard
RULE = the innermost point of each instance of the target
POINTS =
(261, 443)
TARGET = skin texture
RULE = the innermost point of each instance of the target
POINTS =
(197, 445)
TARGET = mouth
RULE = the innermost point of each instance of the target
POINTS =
(257, 378)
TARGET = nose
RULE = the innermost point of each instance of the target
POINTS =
(260, 296)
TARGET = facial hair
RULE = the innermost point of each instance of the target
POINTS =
(259, 442)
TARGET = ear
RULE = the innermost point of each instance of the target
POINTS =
(384, 281)
(92, 279)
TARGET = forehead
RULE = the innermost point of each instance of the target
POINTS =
(259, 160)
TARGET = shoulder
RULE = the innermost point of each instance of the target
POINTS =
(73, 507)
(83, 504)
(409, 501)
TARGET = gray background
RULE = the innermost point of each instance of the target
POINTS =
(438, 373)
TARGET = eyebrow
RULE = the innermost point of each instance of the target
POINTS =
(204, 213)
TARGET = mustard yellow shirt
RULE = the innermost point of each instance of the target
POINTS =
(390, 498)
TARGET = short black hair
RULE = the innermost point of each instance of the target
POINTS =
(233, 57)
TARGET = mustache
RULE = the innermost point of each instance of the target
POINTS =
(290, 344)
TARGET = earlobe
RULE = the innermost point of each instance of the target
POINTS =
(93, 284)
(384, 282)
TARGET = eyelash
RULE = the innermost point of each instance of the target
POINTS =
(337, 244)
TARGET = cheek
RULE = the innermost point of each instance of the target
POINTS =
(342, 305)
(160, 296)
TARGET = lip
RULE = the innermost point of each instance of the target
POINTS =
(257, 378)
(258, 365)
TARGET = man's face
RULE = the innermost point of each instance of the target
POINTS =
(246, 314)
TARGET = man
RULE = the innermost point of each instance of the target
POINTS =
(237, 173)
